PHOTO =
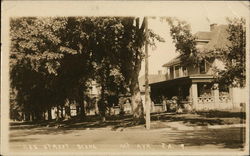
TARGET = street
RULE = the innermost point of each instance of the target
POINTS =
(175, 136)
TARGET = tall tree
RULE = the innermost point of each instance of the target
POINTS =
(235, 54)
(131, 55)
(34, 59)
(58, 56)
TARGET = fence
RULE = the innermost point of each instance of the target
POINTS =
(210, 103)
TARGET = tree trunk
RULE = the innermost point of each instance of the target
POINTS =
(32, 116)
(62, 115)
(102, 109)
(49, 114)
(96, 107)
(25, 117)
(77, 110)
(137, 106)
(136, 101)
(67, 110)
(82, 113)
(57, 113)
(102, 104)
(44, 115)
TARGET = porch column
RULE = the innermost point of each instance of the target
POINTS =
(194, 94)
(174, 72)
(216, 95)
(181, 71)
(167, 72)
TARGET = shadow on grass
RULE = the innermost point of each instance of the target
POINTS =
(190, 119)
(89, 122)
(115, 122)
(225, 138)
(222, 114)
(202, 118)
(23, 129)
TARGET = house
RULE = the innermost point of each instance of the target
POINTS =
(152, 78)
(196, 83)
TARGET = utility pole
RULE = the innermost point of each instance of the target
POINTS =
(147, 102)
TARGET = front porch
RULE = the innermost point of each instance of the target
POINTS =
(198, 90)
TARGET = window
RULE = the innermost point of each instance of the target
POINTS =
(176, 71)
(185, 72)
(202, 66)
(171, 72)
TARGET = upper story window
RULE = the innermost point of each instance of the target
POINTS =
(202, 67)
(185, 72)
(177, 73)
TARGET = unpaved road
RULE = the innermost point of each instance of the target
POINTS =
(176, 137)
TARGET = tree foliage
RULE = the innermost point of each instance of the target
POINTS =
(235, 54)
(53, 60)
(231, 50)
(34, 59)
(184, 41)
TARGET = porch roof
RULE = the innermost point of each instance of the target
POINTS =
(172, 62)
(184, 80)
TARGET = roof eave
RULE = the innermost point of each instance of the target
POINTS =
(171, 64)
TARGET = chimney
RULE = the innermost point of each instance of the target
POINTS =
(213, 26)
(159, 72)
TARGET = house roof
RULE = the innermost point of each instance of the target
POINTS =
(183, 80)
(217, 40)
(174, 61)
(152, 78)
(203, 35)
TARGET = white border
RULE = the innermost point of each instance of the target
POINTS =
(100, 8)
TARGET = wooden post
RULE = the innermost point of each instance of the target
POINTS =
(231, 97)
(147, 104)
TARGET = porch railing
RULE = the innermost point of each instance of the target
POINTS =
(209, 102)
(224, 99)
(203, 100)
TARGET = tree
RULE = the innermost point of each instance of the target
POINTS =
(34, 59)
(131, 56)
(235, 54)
(184, 41)
(59, 56)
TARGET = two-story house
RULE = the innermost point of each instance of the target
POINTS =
(195, 83)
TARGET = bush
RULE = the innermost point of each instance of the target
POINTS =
(172, 105)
